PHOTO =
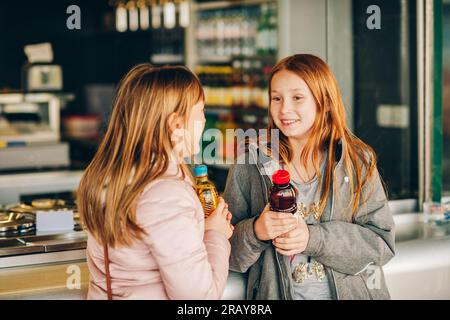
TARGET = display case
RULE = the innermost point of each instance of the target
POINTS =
(30, 131)
(232, 46)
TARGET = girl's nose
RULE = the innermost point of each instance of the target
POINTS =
(285, 107)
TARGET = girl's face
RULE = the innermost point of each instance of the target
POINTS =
(186, 134)
(292, 105)
(196, 125)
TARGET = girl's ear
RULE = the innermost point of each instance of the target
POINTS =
(175, 122)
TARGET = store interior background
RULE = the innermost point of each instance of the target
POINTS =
(376, 69)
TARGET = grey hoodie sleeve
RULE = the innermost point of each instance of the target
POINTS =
(245, 247)
(351, 247)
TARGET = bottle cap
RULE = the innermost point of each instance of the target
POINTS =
(281, 177)
(200, 170)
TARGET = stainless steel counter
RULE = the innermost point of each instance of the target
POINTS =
(40, 243)
(420, 269)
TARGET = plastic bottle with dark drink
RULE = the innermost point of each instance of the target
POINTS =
(283, 195)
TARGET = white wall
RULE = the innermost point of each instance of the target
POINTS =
(302, 27)
(322, 28)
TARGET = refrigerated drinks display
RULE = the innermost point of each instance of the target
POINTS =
(244, 30)
(234, 49)
(167, 46)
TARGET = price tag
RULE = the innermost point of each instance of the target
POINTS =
(54, 220)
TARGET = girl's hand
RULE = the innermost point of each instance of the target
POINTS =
(294, 241)
(219, 220)
(270, 225)
(229, 217)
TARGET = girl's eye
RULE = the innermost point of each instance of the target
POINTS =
(297, 98)
(276, 99)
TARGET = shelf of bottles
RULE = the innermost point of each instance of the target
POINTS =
(167, 46)
(236, 49)
(134, 15)
(165, 20)
(239, 31)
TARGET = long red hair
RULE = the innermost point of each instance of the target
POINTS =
(329, 128)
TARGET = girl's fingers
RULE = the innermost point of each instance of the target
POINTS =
(220, 206)
(283, 230)
(275, 235)
(284, 223)
(293, 233)
(287, 220)
(285, 240)
(288, 246)
(282, 216)
(287, 252)
(227, 214)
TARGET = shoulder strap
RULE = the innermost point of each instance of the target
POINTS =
(108, 275)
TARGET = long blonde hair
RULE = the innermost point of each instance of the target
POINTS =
(329, 128)
(135, 150)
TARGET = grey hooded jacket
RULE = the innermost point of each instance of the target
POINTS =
(351, 252)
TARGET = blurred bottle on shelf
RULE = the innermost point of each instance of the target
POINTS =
(241, 85)
(236, 49)
(235, 26)
(168, 46)
(217, 84)
(228, 144)
(249, 28)
(267, 42)
(248, 84)
(237, 84)
(219, 26)
(263, 31)
(258, 88)
(245, 31)
(273, 35)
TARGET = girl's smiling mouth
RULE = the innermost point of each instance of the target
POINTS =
(289, 122)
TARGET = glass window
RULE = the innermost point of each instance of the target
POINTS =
(385, 89)
(446, 101)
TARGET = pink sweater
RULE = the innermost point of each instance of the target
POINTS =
(176, 260)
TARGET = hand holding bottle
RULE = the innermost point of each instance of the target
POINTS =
(294, 241)
(278, 217)
(271, 225)
(219, 220)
